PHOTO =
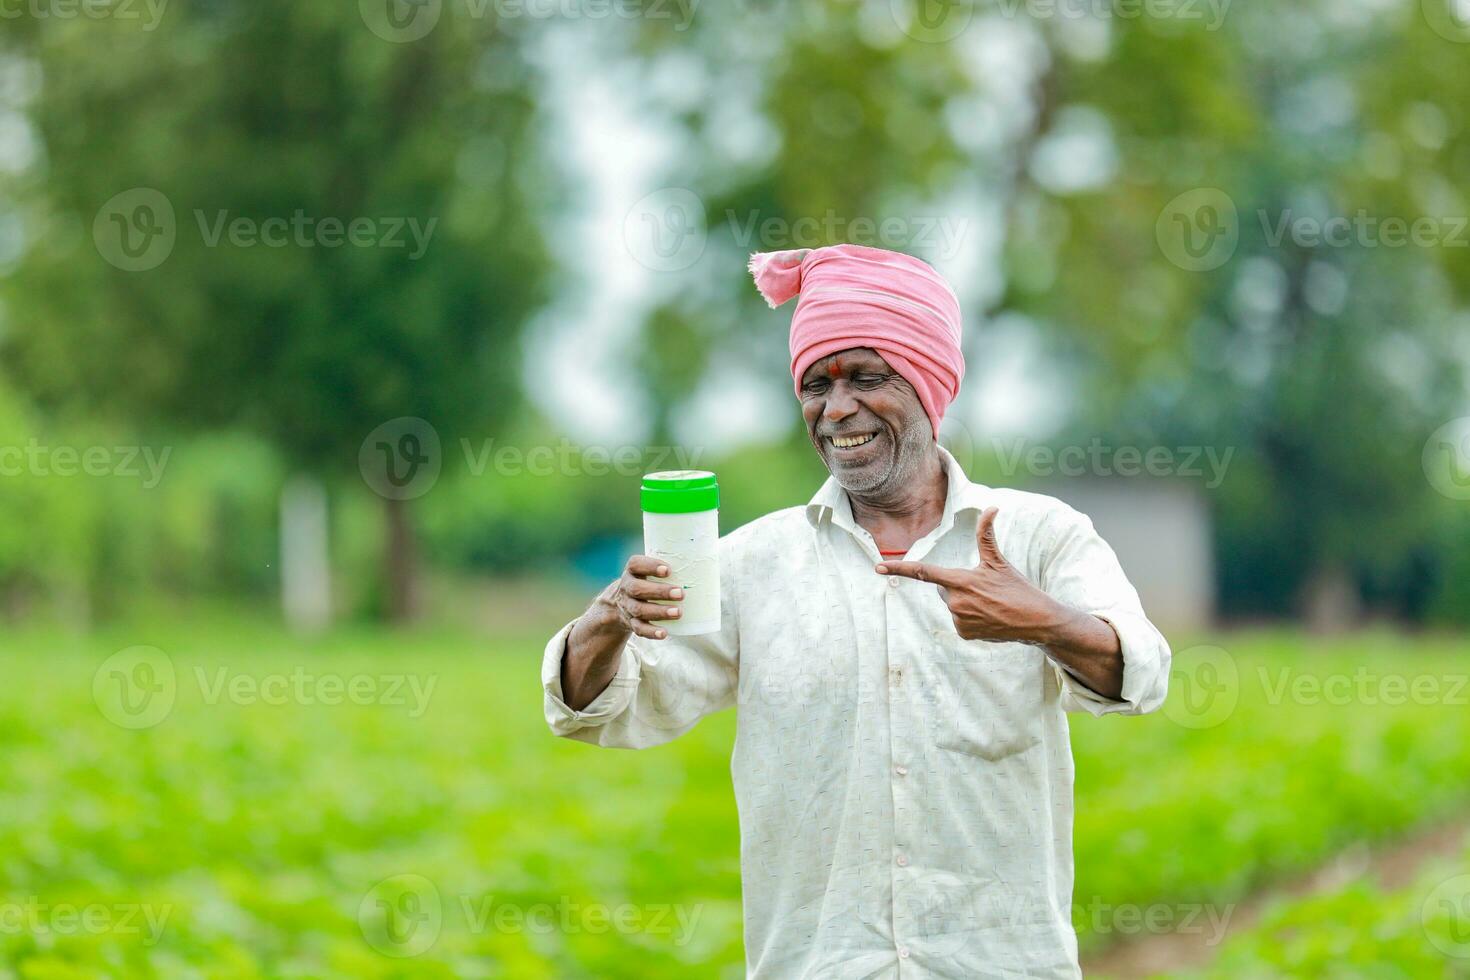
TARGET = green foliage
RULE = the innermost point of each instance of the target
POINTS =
(261, 830)
(1363, 930)
(269, 111)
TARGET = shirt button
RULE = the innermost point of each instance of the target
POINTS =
(895, 676)
(902, 860)
(903, 952)
(901, 770)
(893, 582)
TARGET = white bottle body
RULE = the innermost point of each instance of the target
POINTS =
(690, 545)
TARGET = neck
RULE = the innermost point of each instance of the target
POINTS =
(896, 517)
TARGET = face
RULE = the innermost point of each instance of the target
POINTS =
(865, 420)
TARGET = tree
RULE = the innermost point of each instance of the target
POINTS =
(325, 224)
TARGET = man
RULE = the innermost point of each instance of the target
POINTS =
(902, 650)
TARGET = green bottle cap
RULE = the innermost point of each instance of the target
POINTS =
(680, 492)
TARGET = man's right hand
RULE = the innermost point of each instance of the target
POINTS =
(630, 597)
(594, 642)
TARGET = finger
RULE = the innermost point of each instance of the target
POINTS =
(647, 630)
(649, 611)
(923, 571)
(985, 536)
(642, 588)
(644, 565)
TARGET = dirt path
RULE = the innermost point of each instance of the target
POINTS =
(1393, 863)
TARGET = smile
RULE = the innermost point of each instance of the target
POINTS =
(848, 442)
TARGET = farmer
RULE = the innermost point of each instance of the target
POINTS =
(902, 650)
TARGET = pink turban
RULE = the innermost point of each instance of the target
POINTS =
(855, 296)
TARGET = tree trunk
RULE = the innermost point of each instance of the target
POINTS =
(1330, 600)
(306, 580)
(400, 564)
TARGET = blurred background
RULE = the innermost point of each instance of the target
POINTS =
(334, 340)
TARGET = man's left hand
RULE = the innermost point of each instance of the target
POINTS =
(991, 601)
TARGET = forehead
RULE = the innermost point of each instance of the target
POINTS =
(846, 362)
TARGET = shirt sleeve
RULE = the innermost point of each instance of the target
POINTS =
(1081, 570)
(662, 687)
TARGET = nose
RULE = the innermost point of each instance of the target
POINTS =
(840, 403)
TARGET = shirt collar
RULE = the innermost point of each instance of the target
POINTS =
(962, 495)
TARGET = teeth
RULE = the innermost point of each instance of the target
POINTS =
(847, 442)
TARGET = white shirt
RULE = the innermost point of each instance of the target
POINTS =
(905, 795)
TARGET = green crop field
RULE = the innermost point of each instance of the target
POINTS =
(1362, 930)
(384, 804)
